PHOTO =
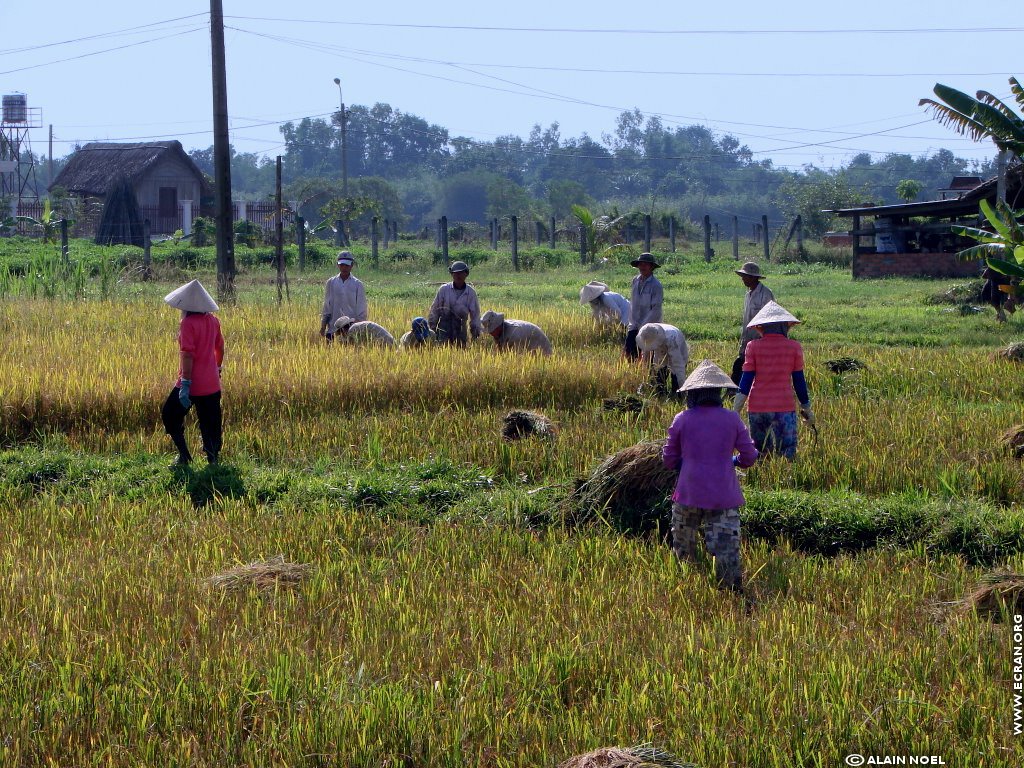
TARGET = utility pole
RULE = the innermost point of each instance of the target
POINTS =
(344, 141)
(49, 163)
(222, 159)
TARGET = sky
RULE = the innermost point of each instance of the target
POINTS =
(798, 83)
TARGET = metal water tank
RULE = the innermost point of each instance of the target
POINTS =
(15, 108)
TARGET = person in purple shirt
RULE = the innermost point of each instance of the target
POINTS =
(705, 443)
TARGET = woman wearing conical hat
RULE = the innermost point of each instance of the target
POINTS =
(201, 353)
(773, 370)
(607, 306)
(704, 443)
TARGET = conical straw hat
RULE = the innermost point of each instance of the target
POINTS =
(707, 375)
(191, 297)
(591, 291)
(772, 313)
(491, 321)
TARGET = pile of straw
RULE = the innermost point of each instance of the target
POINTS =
(642, 756)
(1014, 352)
(519, 424)
(1013, 439)
(845, 365)
(262, 574)
(623, 404)
(631, 486)
(1000, 593)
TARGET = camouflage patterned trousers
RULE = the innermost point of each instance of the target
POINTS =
(721, 538)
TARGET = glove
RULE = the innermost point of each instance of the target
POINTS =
(183, 392)
(738, 401)
(807, 413)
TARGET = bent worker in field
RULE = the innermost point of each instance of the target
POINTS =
(663, 347)
(201, 355)
(607, 306)
(516, 335)
(348, 331)
(420, 335)
(757, 296)
(645, 301)
(344, 296)
(455, 304)
(705, 443)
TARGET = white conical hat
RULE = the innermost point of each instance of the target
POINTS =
(650, 335)
(591, 291)
(191, 297)
(707, 375)
(772, 313)
(491, 321)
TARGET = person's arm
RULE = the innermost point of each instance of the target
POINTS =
(186, 365)
(800, 387)
(672, 453)
(746, 452)
(218, 349)
(746, 382)
(361, 309)
(327, 310)
(657, 298)
(474, 316)
(434, 315)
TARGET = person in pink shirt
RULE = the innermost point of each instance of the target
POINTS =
(201, 355)
(705, 443)
(773, 371)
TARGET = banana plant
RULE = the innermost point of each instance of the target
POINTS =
(1003, 247)
(48, 223)
(983, 117)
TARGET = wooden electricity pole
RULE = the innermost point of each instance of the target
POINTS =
(222, 159)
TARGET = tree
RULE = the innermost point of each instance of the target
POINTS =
(564, 194)
(1003, 247)
(908, 190)
(984, 117)
(597, 230)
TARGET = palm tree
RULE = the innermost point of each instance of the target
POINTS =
(984, 117)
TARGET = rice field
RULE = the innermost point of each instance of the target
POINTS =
(446, 626)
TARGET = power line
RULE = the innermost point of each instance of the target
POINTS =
(113, 33)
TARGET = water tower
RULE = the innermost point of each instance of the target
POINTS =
(17, 163)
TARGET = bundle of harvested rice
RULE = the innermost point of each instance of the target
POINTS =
(1000, 593)
(519, 424)
(1014, 352)
(623, 404)
(845, 365)
(1013, 439)
(632, 485)
(641, 756)
(960, 293)
(262, 574)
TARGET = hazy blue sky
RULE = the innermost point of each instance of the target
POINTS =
(797, 82)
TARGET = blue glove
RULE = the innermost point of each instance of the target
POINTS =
(183, 392)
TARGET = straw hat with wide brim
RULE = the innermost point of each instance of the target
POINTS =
(751, 269)
(772, 312)
(707, 375)
(343, 322)
(591, 291)
(491, 321)
(191, 297)
(644, 258)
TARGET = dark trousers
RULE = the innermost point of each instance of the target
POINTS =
(737, 368)
(630, 346)
(208, 413)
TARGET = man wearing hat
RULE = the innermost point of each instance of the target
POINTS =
(201, 353)
(516, 335)
(454, 304)
(704, 443)
(606, 306)
(344, 296)
(757, 296)
(645, 302)
(348, 331)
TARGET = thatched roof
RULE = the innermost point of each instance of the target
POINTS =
(94, 168)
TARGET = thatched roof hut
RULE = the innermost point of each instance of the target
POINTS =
(94, 168)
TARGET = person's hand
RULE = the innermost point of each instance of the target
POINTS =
(738, 401)
(183, 393)
(807, 413)
(323, 329)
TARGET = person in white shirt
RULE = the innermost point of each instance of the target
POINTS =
(515, 334)
(606, 306)
(349, 331)
(344, 296)
(664, 346)
(454, 304)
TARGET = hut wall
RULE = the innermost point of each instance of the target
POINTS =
(169, 171)
(871, 265)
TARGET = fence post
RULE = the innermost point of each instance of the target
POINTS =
(718, 232)
(515, 243)
(443, 229)
(800, 235)
(672, 232)
(300, 234)
(186, 217)
(764, 232)
(374, 236)
(540, 233)
(583, 244)
(736, 238)
(147, 255)
(339, 233)
(707, 238)
(552, 233)
(387, 232)
(647, 233)
(64, 239)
